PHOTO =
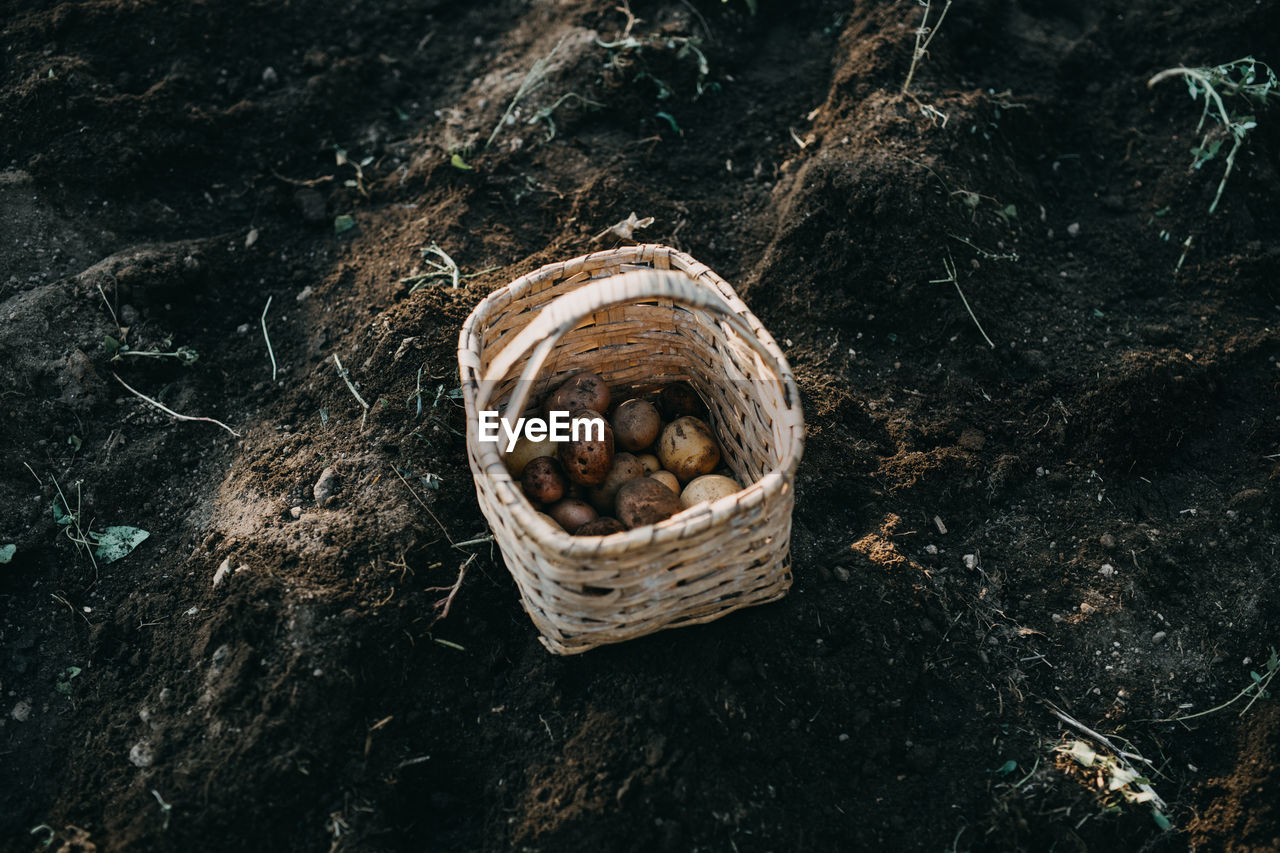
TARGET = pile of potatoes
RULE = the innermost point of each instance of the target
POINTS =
(654, 460)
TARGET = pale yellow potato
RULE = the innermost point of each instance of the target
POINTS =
(667, 479)
(650, 462)
(525, 452)
(688, 448)
(708, 487)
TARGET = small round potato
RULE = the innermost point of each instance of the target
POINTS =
(543, 480)
(588, 459)
(646, 501)
(708, 487)
(525, 452)
(679, 399)
(625, 469)
(650, 462)
(583, 390)
(636, 424)
(572, 513)
(602, 526)
(688, 449)
(667, 479)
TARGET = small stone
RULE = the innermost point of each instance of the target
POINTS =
(1107, 541)
(1159, 637)
(1074, 229)
(221, 574)
(844, 738)
(971, 561)
(1107, 570)
(141, 754)
(931, 549)
(296, 512)
(304, 293)
(128, 314)
(325, 487)
(22, 711)
(1087, 608)
(269, 76)
(841, 573)
(242, 328)
(251, 238)
(1058, 617)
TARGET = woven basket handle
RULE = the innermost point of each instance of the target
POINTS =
(564, 313)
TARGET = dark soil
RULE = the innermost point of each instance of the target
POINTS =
(176, 162)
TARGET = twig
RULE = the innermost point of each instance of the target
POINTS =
(342, 371)
(950, 266)
(171, 412)
(114, 318)
(536, 77)
(922, 49)
(423, 504)
(267, 338)
(442, 606)
(1102, 739)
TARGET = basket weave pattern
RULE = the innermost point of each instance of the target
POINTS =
(641, 317)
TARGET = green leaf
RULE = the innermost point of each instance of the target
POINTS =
(1161, 821)
(343, 222)
(671, 120)
(1007, 768)
(74, 441)
(117, 542)
(456, 161)
(7, 552)
(61, 514)
(1010, 210)
(64, 681)
(110, 344)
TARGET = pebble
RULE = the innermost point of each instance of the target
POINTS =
(844, 738)
(326, 486)
(1107, 570)
(1159, 637)
(1086, 607)
(22, 711)
(296, 512)
(841, 573)
(141, 755)
(269, 76)
(931, 549)
(971, 561)
(221, 574)
(1107, 541)
(1074, 229)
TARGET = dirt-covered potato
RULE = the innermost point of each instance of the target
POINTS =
(667, 479)
(646, 501)
(582, 390)
(525, 452)
(587, 460)
(572, 513)
(679, 399)
(636, 424)
(708, 487)
(650, 462)
(543, 480)
(688, 448)
(602, 526)
(625, 469)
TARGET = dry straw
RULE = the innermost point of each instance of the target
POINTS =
(641, 317)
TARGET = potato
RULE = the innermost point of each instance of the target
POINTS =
(588, 460)
(625, 469)
(525, 452)
(543, 480)
(646, 501)
(688, 449)
(602, 526)
(667, 479)
(636, 424)
(708, 487)
(582, 390)
(679, 399)
(650, 462)
(572, 513)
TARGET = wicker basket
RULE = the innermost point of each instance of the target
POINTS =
(641, 317)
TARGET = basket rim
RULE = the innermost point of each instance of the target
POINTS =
(487, 461)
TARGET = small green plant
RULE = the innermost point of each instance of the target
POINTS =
(1246, 79)
(924, 37)
(1257, 688)
(119, 348)
(343, 159)
(112, 544)
(949, 265)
